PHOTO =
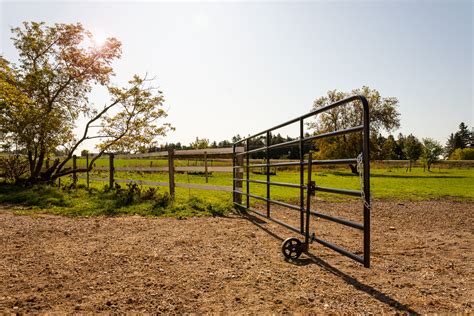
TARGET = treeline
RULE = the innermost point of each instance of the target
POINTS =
(459, 146)
(287, 152)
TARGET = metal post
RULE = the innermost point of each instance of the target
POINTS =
(205, 165)
(366, 161)
(171, 171)
(247, 148)
(74, 167)
(301, 149)
(111, 171)
(87, 170)
(239, 176)
(309, 192)
(268, 143)
(233, 174)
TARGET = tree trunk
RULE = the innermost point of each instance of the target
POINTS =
(31, 162)
(39, 165)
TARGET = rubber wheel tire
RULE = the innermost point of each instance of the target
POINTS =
(291, 248)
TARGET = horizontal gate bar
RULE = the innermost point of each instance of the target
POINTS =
(338, 220)
(258, 197)
(313, 113)
(280, 164)
(342, 251)
(296, 141)
(336, 133)
(335, 161)
(294, 207)
(288, 143)
(339, 191)
(282, 184)
(294, 229)
(304, 163)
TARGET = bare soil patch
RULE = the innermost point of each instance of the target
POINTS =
(422, 262)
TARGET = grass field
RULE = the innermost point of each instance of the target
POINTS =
(385, 183)
(388, 184)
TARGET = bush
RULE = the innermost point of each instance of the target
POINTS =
(462, 154)
(13, 167)
(162, 201)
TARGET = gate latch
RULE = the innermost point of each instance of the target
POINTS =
(312, 188)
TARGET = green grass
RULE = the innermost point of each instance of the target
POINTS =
(82, 202)
(385, 183)
(395, 183)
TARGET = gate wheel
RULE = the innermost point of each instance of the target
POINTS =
(292, 248)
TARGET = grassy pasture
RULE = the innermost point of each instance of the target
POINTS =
(385, 183)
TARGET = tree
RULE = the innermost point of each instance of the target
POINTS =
(383, 116)
(84, 152)
(463, 154)
(464, 135)
(454, 142)
(432, 149)
(224, 143)
(390, 148)
(412, 149)
(461, 139)
(55, 74)
(401, 146)
(200, 143)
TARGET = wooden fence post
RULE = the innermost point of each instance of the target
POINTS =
(171, 170)
(205, 165)
(74, 167)
(111, 171)
(87, 168)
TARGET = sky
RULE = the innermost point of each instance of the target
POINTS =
(229, 68)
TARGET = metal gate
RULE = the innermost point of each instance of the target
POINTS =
(293, 247)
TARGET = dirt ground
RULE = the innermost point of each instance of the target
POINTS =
(422, 262)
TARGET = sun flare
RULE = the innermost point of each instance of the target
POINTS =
(99, 38)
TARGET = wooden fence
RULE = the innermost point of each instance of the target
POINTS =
(223, 154)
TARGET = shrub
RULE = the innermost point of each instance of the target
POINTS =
(462, 154)
(162, 201)
(13, 167)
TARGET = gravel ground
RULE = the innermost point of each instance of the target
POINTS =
(422, 262)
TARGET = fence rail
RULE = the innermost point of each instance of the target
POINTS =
(166, 184)
(171, 155)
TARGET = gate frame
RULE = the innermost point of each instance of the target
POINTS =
(310, 187)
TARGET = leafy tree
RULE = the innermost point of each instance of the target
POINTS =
(463, 154)
(431, 151)
(383, 116)
(454, 142)
(390, 148)
(224, 143)
(400, 147)
(200, 143)
(236, 138)
(461, 139)
(55, 73)
(412, 149)
(84, 152)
